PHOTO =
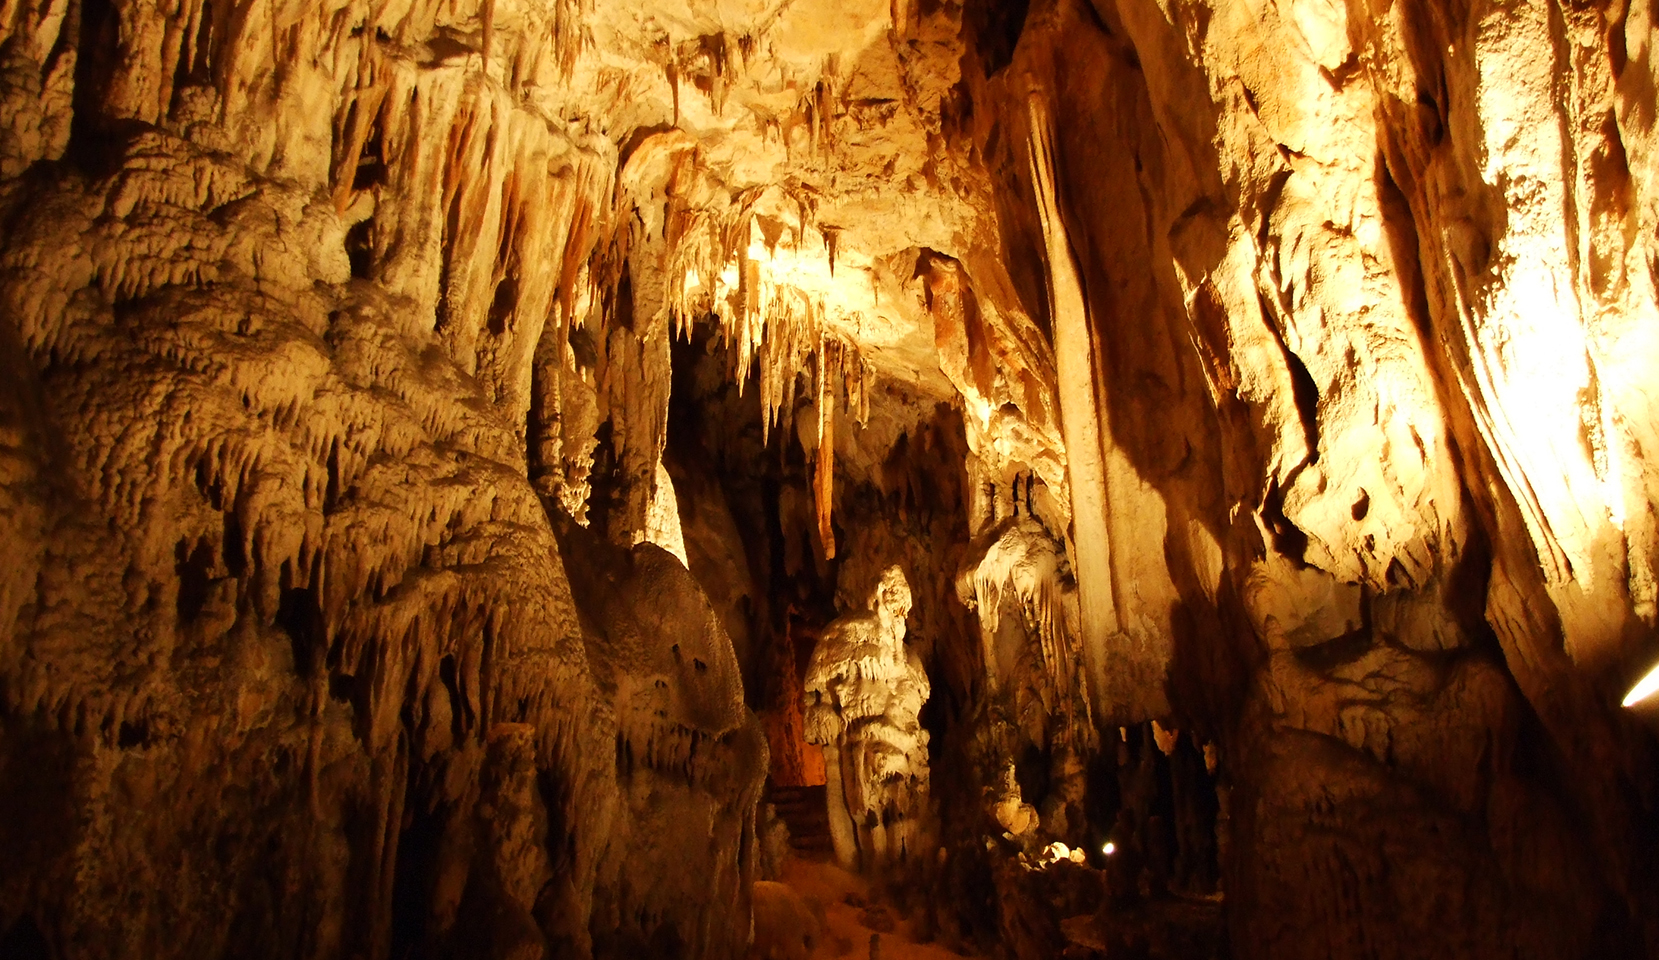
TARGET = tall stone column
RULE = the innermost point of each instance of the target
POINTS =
(840, 822)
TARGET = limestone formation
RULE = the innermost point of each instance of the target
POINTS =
(433, 433)
(864, 691)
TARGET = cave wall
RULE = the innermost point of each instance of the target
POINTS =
(293, 666)
(1326, 273)
(332, 336)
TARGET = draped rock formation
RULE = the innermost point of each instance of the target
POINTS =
(864, 692)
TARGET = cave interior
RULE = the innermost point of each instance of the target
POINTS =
(786, 479)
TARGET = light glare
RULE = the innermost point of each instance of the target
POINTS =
(1644, 688)
(1111, 848)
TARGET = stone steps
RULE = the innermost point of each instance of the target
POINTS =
(804, 810)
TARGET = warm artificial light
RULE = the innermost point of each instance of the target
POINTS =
(1643, 689)
(1109, 849)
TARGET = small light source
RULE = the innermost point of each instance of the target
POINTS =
(1109, 849)
(1645, 688)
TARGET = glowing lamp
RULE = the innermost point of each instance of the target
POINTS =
(1111, 848)
(1643, 689)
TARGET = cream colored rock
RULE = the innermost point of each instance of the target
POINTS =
(864, 691)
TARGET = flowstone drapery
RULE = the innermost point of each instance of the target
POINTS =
(864, 691)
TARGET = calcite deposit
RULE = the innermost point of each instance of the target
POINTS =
(864, 695)
(448, 450)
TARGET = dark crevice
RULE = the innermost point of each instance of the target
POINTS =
(301, 618)
(1288, 539)
(133, 733)
(25, 941)
(195, 65)
(371, 161)
(1306, 397)
(451, 682)
(194, 567)
(1336, 651)
(97, 142)
(503, 305)
(995, 28)
(360, 247)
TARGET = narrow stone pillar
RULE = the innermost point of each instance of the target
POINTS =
(1080, 417)
(840, 823)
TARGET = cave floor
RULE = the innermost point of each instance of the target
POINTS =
(852, 915)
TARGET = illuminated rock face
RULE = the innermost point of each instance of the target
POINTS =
(1281, 372)
(864, 694)
(686, 752)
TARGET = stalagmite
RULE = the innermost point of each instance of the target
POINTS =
(864, 691)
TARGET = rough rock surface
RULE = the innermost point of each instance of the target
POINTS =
(424, 424)
(864, 695)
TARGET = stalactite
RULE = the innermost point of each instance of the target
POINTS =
(824, 481)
